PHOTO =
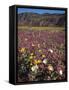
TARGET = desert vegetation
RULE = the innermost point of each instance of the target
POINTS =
(41, 47)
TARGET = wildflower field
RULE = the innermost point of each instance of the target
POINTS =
(41, 54)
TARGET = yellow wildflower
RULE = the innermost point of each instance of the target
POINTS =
(22, 50)
(40, 50)
(32, 54)
(37, 61)
(43, 56)
(31, 57)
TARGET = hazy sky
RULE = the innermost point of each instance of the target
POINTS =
(40, 11)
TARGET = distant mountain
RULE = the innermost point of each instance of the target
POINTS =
(46, 19)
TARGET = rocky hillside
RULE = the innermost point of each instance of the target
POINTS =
(34, 19)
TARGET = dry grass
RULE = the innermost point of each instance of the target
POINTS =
(40, 28)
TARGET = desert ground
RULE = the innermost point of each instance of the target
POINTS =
(41, 53)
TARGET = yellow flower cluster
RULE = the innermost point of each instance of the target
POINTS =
(37, 61)
(32, 54)
(31, 57)
(43, 56)
(22, 50)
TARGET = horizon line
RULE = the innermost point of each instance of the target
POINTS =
(39, 11)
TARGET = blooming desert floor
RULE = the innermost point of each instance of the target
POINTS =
(41, 54)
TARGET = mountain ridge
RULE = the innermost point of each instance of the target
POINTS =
(45, 19)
